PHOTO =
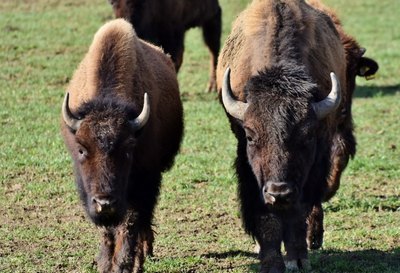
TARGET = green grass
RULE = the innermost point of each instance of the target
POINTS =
(42, 225)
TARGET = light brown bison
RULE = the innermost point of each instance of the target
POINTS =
(286, 76)
(164, 23)
(122, 124)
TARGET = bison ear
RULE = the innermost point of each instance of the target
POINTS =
(367, 68)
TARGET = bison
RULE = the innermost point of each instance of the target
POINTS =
(122, 124)
(164, 23)
(285, 78)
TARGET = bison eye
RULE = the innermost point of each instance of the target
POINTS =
(251, 136)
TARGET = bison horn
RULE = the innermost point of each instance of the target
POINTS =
(331, 102)
(234, 107)
(69, 119)
(143, 117)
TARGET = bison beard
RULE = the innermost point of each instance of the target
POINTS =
(122, 134)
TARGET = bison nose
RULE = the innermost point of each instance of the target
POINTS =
(279, 192)
(103, 205)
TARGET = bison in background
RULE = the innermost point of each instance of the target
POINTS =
(122, 124)
(285, 77)
(356, 65)
(164, 23)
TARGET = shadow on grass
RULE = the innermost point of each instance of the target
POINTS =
(247, 267)
(363, 261)
(328, 261)
(231, 254)
(376, 91)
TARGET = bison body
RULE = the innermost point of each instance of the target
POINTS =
(122, 124)
(164, 23)
(285, 79)
(356, 65)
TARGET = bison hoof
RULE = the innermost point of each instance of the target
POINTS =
(272, 270)
(315, 242)
(273, 266)
(257, 250)
(297, 265)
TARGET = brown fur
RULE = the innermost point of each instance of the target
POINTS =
(344, 147)
(248, 48)
(280, 33)
(164, 23)
(107, 91)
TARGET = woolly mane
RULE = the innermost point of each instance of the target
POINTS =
(106, 116)
(287, 25)
(111, 54)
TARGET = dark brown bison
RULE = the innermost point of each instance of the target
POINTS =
(164, 23)
(122, 124)
(285, 77)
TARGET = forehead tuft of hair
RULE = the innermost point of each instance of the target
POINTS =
(106, 119)
(106, 106)
(284, 79)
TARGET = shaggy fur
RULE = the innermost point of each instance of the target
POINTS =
(281, 53)
(164, 23)
(110, 158)
(357, 65)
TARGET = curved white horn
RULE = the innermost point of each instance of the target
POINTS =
(69, 119)
(331, 102)
(234, 107)
(143, 117)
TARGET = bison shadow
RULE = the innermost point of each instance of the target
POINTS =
(366, 261)
(332, 261)
(376, 91)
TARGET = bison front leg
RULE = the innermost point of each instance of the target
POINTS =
(269, 237)
(315, 227)
(147, 239)
(294, 238)
(106, 251)
(132, 244)
(128, 253)
(212, 36)
(343, 148)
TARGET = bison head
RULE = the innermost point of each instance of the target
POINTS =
(280, 125)
(101, 144)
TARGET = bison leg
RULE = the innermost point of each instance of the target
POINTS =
(172, 41)
(344, 147)
(315, 227)
(129, 253)
(212, 37)
(294, 237)
(134, 238)
(123, 260)
(147, 238)
(269, 237)
(106, 251)
(178, 51)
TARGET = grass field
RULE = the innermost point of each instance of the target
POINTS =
(43, 227)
